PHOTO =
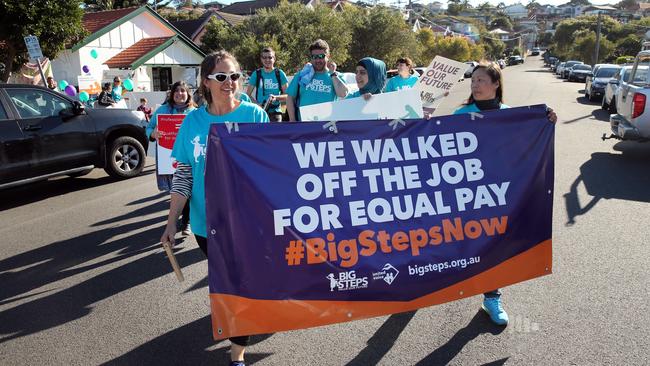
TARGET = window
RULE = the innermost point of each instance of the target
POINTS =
(3, 113)
(162, 78)
(34, 103)
(640, 76)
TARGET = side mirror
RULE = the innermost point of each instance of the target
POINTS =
(77, 108)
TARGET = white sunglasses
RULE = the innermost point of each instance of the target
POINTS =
(221, 77)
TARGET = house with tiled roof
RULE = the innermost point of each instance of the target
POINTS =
(195, 29)
(133, 42)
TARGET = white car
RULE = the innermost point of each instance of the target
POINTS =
(609, 97)
(632, 122)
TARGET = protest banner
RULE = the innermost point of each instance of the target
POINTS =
(439, 78)
(309, 225)
(168, 126)
(400, 104)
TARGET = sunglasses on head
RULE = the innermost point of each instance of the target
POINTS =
(221, 77)
(320, 56)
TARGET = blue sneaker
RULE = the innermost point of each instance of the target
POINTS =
(492, 306)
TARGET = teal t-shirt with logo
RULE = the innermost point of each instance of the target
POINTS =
(190, 149)
(319, 90)
(399, 83)
(270, 86)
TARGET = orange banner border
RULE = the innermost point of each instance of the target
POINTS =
(236, 316)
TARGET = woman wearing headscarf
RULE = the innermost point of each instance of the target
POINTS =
(179, 101)
(370, 76)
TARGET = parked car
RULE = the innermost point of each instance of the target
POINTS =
(515, 60)
(609, 97)
(567, 66)
(632, 120)
(595, 84)
(579, 72)
(557, 68)
(551, 61)
(45, 134)
(470, 68)
(393, 72)
(535, 51)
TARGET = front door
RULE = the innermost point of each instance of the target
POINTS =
(15, 148)
(162, 78)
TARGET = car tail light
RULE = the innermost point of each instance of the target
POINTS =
(639, 104)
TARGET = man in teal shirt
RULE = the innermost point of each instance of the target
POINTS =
(269, 84)
(323, 86)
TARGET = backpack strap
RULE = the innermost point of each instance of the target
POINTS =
(277, 76)
(259, 81)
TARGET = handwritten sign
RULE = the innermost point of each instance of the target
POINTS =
(168, 126)
(439, 78)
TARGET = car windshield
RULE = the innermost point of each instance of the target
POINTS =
(607, 73)
(582, 67)
(641, 74)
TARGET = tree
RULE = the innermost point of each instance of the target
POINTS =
(100, 5)
(395, 40)
(57, 24)
(493, 48)
(502, 22)
(629, 45)
(291, 27)
(627, 5)
(567, 30)
(485, 8)
(455, 48)
(585, 44)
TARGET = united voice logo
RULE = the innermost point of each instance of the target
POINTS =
(388, 273)
(347, 281)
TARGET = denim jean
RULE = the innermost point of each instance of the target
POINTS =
(493, 293)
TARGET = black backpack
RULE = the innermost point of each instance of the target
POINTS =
(285, 115)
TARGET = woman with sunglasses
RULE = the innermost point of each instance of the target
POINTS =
(220, 74)
(179, 101)
(370, 76)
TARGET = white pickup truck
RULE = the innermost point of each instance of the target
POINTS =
(632, 122)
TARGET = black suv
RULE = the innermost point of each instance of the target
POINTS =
(45, 134)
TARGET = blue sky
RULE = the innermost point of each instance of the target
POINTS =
(475, 2)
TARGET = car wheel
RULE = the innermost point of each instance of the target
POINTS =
(604, 104)
(125, 158)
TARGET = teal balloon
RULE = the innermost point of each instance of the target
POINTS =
(128, 84)
(93, 53)
(62, 85)
(83, 96)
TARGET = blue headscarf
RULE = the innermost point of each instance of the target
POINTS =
(376, 75)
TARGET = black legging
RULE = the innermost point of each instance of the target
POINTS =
(185, 219)
(203, 244)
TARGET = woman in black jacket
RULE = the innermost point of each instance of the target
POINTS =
(105, 99)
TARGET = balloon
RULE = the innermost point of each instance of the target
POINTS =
(93, 53)
(63, 84)
(83, 96)
(86, 69)
(128, 84)
(70, 90)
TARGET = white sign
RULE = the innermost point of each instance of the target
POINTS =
(438, 79)
(399, 104)
(33, 47)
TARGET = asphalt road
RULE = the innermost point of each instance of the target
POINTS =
(83, 280)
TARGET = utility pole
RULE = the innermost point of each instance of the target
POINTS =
(597, 38)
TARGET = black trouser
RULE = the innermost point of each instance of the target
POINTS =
(203, 244)
(185, 218)
(275, 116)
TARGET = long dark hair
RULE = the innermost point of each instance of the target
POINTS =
(208, 64)
(175, 87)
(494, 72)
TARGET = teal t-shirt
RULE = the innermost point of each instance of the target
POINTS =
(319, 90)
(270, 86)
(190, 148)
(355, 94)
(473, 108)
(116, 93)
(244, 97)
(398, 83)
